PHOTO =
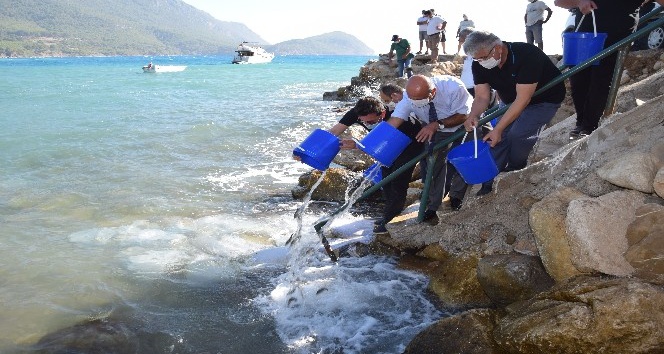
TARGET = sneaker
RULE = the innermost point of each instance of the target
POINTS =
(420, 52)
(380, 229)
(455, 203)
(426, 53)
(574, 134)
(487, 187)
(430, 217)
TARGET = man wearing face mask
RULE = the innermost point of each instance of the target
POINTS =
(441, 104)
(515, 71)
(368, 112)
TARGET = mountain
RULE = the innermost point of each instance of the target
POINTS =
(136, 27)
(333, 43)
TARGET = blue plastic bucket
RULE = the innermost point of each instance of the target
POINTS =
(377, 175)
(580, 46)
(318, 150)
(473, 170)
(384, 143)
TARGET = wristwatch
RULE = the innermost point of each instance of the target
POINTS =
(440, 122)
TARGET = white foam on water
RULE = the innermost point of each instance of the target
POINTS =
(357, 305)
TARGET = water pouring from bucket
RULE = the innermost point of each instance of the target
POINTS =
(318, 150)
(473, 161)
(581, 46)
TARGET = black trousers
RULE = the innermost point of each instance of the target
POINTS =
(590, 90)
(396, 190)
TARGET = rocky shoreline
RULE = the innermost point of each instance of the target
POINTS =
(566, 255)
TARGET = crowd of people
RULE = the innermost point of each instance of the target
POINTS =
(431, 109)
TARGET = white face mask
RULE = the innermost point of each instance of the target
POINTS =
(489, 63)
(371, 126)
(419, 103)
(391, 105)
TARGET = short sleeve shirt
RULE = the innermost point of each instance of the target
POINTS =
(451, 98)
(525, 64)
(423, 27)
(400, 47)
(535, 12)
(432, 27)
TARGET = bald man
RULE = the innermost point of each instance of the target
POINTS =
(441, 103)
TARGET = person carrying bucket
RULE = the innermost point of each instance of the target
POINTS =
(590, 87)
(368, 112)
(515, 71)
(441, 104)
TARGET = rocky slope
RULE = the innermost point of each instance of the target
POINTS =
(566, 255)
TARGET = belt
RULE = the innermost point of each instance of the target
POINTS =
(437, 33)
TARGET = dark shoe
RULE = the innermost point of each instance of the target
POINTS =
(487, 187)
(574, 134)
(430, 217)
(455, 203)
(380, 229)
(420, 52)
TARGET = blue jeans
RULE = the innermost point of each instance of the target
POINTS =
(402, 64)
(518, 139)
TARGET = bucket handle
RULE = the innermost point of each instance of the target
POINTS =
(592, 12)
(475, 135)
(299, 147)
(358, 143)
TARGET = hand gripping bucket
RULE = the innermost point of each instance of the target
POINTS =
(473, 161)
(318, 150)
(580, 46)
(384, 143)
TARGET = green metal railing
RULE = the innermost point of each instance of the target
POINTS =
(626, 42)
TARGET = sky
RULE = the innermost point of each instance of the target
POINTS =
(374, 22)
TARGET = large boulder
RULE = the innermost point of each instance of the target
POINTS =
(635, 170)
(587, 315)
(646, 244)
(596, 231)
(547, 218)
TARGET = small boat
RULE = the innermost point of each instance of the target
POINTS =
(250, 53)
(150, 68)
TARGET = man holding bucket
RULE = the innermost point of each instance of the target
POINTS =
(441, 104)
(515, 71)
(590, 87)
(368, 112)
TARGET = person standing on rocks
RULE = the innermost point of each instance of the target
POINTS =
(590, 87)
(466, 23)
(515, 71)
(435, 31)
(441, 103)
(422, 33)
(368, 112)
(534, 18)
(404, 56)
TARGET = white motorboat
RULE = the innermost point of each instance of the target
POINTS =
(249, 53)
(150, 68)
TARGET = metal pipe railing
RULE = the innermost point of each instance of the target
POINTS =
(488, 117)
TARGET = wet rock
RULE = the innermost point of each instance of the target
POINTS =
(634, 170)
(332, 188)
(456, 284)
(512, 277)
(470, 332)
(547, 218)
(596, 229)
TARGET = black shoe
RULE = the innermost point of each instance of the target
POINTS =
(430, 217)
(574, 134)
(455, 203)
(487, 187)
(380, 229)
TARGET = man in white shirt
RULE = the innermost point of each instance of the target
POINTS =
(441, 103)
(422, 23)
(435, 31)
(534, 18)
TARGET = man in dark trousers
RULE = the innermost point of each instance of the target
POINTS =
(515, 71)
(590, 87)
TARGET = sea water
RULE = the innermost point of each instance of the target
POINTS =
(155, 207)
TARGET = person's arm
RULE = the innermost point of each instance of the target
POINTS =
(405, 54)
(525, 18)
(548, 14)
(524, 93)
(480, 104)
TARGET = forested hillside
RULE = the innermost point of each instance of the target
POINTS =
(118, 27)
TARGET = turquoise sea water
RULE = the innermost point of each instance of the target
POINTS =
(144, 197)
